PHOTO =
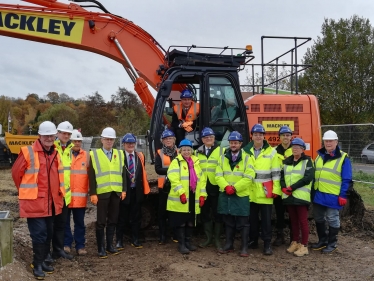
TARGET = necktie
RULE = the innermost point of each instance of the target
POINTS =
(108, 155)
(233, 158)
(132, 171)
(207, 150)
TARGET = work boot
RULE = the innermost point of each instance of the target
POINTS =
(229, 244)
(208, 230)
(109, 241)
(60, 253)
(280, 238)
(67, 249)
(301, 251)
(293, 247)
(245, 237)
(161, 232)
(47, 254)
(188, 244)
(82, 252)
(46, 268)
(100, 244)
(180, 232)
(119, 239)
(217, 235)
(253, 244)
(267, 248)
(36, 265)
(135, 237)
(332, 240)
(322, 237)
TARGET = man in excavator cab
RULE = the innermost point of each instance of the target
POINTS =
(185, 115)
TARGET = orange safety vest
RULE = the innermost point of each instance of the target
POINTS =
(146, 187)
(79, 179)
(28, 188)
(165, 160)
(192, 113)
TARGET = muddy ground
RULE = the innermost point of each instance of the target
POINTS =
(353, 261)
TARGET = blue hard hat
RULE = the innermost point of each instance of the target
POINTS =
(285, 130)
(167, 133)
(129, 138)
(235, 136)
(258, 128)
(186, 94)
(298, 141)
(207, 132)
(185, 142)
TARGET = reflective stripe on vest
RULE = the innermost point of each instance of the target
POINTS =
(192, 113)
(165, 160)
(79, 179)
(208, 165)
(328, 177)
(265, 161)
(293, 174)
(29, 183)
(108, 173)
(65, 158)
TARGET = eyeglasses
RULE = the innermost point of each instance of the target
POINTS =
(107, 139)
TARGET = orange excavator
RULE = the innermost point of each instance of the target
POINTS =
(210, 73)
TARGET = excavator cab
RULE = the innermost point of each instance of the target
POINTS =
(213, 80)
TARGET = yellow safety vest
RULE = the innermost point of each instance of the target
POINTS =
(293, 174)
(108, 173)
(208, 165)
(328, 178)
(287, 153)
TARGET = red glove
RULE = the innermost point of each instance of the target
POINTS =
(183, 198)
(274, 195)
(201, 201)
(342, 201)
(287, 190)
(230, 190)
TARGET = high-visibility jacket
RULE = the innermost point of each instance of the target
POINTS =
(79, 179)
(267, 168)
(192, 113)
(209, 164)
(287, 153)
(65, 158)
(328, 176)
(293, 174)
(108, 173)
(165, 160)
(178, 174)
(240, 176)
(28, 188)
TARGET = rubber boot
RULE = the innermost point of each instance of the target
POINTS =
(280, 238)
(217, 235)
(188, 237)
(109, 241)
(245, 237)
(253, 244)
(322, 237)
(38, 251)
(162, 231)
(47, 254)
(229, 245)
(135, 237)
(180, 232)
(119, 240)
(208, 230)
(267, 248)
(100, 244)
(332, 240)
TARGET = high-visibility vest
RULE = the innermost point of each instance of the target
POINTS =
(208, 165)
(328, 177)
(192, 113)
(293, 174)
(165, 162)
(28, 188)
(65, 158)
(108, 173)
(287, 153)
(146, 188)
(79, 179)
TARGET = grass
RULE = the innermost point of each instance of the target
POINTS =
(366, 190)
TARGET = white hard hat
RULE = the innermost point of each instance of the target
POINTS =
(330, 135)
(108, 132)
(76, 135)
(65, 127)
(47, 128)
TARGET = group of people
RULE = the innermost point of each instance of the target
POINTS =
(54, 178)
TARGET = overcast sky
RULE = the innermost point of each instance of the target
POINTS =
(30, 67)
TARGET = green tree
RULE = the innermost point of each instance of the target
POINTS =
(343, 71)
(59, 113)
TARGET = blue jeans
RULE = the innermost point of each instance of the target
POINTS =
(79, 228)
(323, 213)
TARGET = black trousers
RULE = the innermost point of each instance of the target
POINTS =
(236, 222)
(279, 211)
(162, 202)
(107, 211)
(130, 214)
(40, 229)
(265, 211)
(209, 210)
(180, 134)
(59, 229)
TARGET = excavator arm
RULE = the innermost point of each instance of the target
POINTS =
(72, 26)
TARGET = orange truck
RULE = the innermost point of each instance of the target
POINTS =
(210, 73)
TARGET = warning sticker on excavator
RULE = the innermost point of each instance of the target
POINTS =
(51, 27)
(273, 126)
